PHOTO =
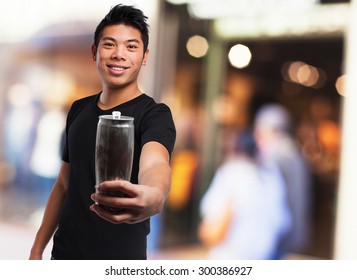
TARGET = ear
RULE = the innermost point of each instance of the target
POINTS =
(145, 57)
(94, 52)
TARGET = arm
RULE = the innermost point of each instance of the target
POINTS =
(212, 231)
(51, 214)
(143, 200)
(216, 209)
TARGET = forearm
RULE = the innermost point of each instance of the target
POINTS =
(155, 172)
(49, 222)
(52, 213)
(158, 177)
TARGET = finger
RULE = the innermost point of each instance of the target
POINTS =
(115, 218)
(118, 185)
(116, 202)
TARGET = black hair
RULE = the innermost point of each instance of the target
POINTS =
(245, 143)
(127, 15)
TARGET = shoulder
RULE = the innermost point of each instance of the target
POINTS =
(154, 122)
(238, 166)
(148, 110)
(151, 105)
(78, 105)
(83, 101)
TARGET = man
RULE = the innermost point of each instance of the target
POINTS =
(83, 229)
(275, 141)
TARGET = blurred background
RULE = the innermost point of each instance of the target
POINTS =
(214, 63)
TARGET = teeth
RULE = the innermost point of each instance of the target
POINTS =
(117, 68)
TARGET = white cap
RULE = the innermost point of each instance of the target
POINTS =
(273, 116)
(116, 115)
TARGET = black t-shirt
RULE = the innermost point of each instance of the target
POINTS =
(81, 233)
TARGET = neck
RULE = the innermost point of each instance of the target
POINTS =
(110, 98)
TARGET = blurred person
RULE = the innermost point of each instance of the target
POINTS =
(275, 141)
(20, 120)
(244, 211)
(47, 148)
(83, 229)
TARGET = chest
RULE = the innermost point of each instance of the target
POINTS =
(81, 137)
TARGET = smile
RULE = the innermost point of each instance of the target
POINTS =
(117, 68)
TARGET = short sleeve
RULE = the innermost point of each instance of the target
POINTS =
(158, 125)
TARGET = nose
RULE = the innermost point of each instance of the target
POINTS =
(119, 53)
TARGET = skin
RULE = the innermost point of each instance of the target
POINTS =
(119, 57)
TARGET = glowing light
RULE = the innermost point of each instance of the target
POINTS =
(177, 2)
(307, 75)
(339, 85)
(213, 9)
(304, 74)
(318, 20)
(197, 46)
(239, 56)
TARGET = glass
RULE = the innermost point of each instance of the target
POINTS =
(114, 150)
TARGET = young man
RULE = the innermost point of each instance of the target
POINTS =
(82, 229)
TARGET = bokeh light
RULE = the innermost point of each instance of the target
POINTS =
(197, 46)
(239, 56)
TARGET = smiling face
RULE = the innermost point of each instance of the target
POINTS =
(119, 57)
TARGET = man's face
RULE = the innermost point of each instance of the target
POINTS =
(119, 56)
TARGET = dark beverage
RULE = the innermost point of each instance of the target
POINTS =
(114, 150)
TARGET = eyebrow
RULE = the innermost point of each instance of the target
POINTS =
(128, 41)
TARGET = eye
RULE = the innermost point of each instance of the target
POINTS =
(132, 46)
(108, 44)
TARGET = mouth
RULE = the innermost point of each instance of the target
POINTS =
(117, 68)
